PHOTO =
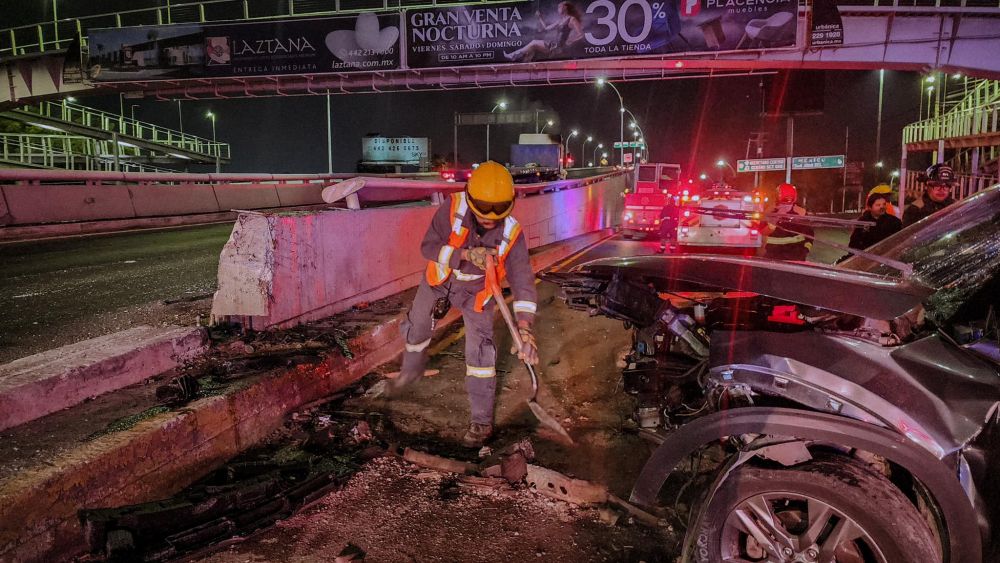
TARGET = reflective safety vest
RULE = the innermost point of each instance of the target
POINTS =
(438, 271)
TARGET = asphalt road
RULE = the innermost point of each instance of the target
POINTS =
(56, 292)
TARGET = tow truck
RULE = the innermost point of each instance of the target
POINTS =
(654, 183)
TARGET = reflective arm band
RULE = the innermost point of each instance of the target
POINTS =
(444, 256)
(525, 307)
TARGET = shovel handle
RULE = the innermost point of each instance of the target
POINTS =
(494, 286)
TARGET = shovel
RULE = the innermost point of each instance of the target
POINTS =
(540, 413)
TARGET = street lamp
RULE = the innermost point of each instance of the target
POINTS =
(501, 105)
(597, 148)
(548, 123)
(621, 124)
(132, 111)
(722, 163)
(572, 134)
(703, 176)
(583, 146)
(215, 145)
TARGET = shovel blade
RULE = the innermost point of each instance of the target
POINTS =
(549, 422)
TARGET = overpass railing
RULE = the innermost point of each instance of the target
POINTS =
(111, 122)
(965, 123)
(69, 152)
(59, 34)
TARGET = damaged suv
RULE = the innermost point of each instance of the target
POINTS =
(856, 405)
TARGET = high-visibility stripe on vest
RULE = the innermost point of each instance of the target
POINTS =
(438, 272)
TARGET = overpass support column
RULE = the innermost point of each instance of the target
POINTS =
(115, 147)
(940, 152)
(974, 164)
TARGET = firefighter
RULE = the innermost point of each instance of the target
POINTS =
(937, 194)
(669, 217)
(789, 243)
(475, 224)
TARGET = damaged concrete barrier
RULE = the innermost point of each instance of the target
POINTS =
(44, 383)
(282, 269)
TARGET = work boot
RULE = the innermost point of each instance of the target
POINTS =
(477, 435)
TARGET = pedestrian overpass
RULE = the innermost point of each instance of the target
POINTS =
(48, 60)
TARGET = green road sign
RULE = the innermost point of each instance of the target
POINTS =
(760, 165)
(810, 162)
(629, 145)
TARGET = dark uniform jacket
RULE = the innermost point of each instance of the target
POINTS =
(885, 225)
(923, 207)
(520, 276)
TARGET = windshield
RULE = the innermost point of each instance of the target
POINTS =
(647, 173)
(955, 251)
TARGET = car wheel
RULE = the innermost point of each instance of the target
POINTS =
(828, 510)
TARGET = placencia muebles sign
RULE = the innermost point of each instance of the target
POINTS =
(314, 46)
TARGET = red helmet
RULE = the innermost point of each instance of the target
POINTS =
(787, 193)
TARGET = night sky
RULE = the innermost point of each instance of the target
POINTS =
(690, 121)
(289, 134)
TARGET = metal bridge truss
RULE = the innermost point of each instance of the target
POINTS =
(73, 152)
(970, 130)
(171, 145)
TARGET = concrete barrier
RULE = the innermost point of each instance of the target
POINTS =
(160, 200)
(28, 204)
(281, 269)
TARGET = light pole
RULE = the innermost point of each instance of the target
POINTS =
(501, 105)
(215, 144)
(132, 111)
(634, 124)
(572, 134)
(548, 123)
(621, 123)
(583, 147)
(597, 148)
(722, 163)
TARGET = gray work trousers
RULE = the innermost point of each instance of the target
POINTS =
(480, 352)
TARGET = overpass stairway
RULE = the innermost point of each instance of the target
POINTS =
(74, 152)
(970, 128)
(163, 144)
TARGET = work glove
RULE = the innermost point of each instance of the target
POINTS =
(478, 256)
(529, 346)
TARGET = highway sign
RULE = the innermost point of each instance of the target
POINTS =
(810, 162)
(630, 145)
(760, 164)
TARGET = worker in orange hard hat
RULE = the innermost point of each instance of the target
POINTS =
(786, 241)
(477, 223)
(885, 190)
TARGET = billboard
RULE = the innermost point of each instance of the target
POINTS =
(398, 150)
(542, 30)
(363, 42)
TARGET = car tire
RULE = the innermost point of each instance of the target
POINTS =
(849, 498)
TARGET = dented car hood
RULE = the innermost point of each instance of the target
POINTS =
(825, 287)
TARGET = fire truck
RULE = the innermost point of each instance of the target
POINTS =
(721, 219)
(644, 200)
